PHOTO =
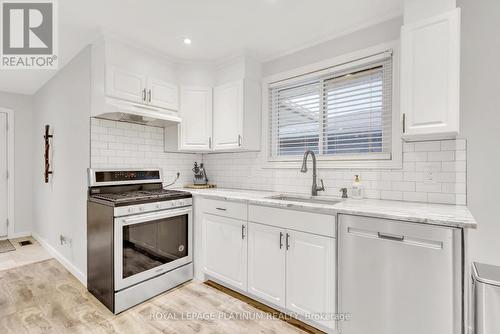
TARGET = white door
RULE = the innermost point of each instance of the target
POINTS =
(196, 113)
(125, 84)
(430, 67)
(3, 174)
(228, 116)
(310, 274)
(162, 94)
(266, 263)
(225, 245)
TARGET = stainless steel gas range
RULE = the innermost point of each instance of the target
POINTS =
(139, 237)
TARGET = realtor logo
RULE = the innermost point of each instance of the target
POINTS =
(29, 39)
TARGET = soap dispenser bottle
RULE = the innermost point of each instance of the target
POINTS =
(357, 188)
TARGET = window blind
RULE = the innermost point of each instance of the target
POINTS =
(346, 113)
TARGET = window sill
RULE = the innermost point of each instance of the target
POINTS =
(336, 164)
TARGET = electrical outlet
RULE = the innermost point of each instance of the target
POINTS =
(431, 174)
(64, 240)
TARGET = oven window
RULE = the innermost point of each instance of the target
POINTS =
(152, 244)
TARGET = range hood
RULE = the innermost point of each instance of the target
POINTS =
(124, 111)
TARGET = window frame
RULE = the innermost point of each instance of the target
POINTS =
(358, 58)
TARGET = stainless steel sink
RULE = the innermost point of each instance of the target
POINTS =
(315, 200)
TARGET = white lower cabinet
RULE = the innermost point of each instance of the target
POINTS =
(266, 263)
(293, 271)
(225, 250)
(310, 275)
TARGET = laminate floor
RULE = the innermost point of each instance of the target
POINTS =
(44, 297)
(23, 255)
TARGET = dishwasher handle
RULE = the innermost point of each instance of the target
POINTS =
(392, 237)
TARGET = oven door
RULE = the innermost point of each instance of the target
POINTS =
(150, 244)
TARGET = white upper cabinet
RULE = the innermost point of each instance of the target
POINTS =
(133, 79)
(430, 76)
(137, 87)
(228, 116)
(236, 116)
(125, 84)
(162, 94)
(195, 130)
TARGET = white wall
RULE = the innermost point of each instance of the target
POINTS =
(380, 33)
(480, 119)
(59, 206)
(415, 10)
(23, 159)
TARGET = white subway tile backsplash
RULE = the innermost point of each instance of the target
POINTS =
(441, 198)
(391, 195)
(453, 145)
(125, 145)
(118, 144)
(427, 146)
(454, 166)
(428, 187)
(441, 156)
(415, 156)
(403, 186)
(392, 175)
(408, 147)
(400, 184)
(415, 196)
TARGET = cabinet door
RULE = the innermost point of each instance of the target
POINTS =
(125, 84)
(430, 68)
(162, 94)
(225, 250)
(310, 274)
(266, 263)
(228, 116)
(392, 275)
(196, 125)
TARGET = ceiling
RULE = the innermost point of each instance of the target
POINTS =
(218, 28)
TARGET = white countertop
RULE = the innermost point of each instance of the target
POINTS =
(423, 213)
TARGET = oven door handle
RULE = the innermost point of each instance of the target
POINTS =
(153, 216)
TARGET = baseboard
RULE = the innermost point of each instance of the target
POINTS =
(59, 257)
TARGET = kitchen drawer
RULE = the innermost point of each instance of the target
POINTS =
(292, 219)
(225, 208)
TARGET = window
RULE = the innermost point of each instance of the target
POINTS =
(343, 114)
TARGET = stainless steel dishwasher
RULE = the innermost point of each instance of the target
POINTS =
(397, 277)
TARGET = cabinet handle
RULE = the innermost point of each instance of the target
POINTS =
(239, 140)
(391, 237)
(210, 142)
(287, 241)
(221, 209)
(404, 122)
(281, 240)
(149, 95)
(243, 232)
(144, 94)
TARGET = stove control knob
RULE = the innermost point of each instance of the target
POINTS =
(130, 210)
(180, 203)
(141, 208)
(157, 206)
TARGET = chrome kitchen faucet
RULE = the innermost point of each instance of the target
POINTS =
(315, 188)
